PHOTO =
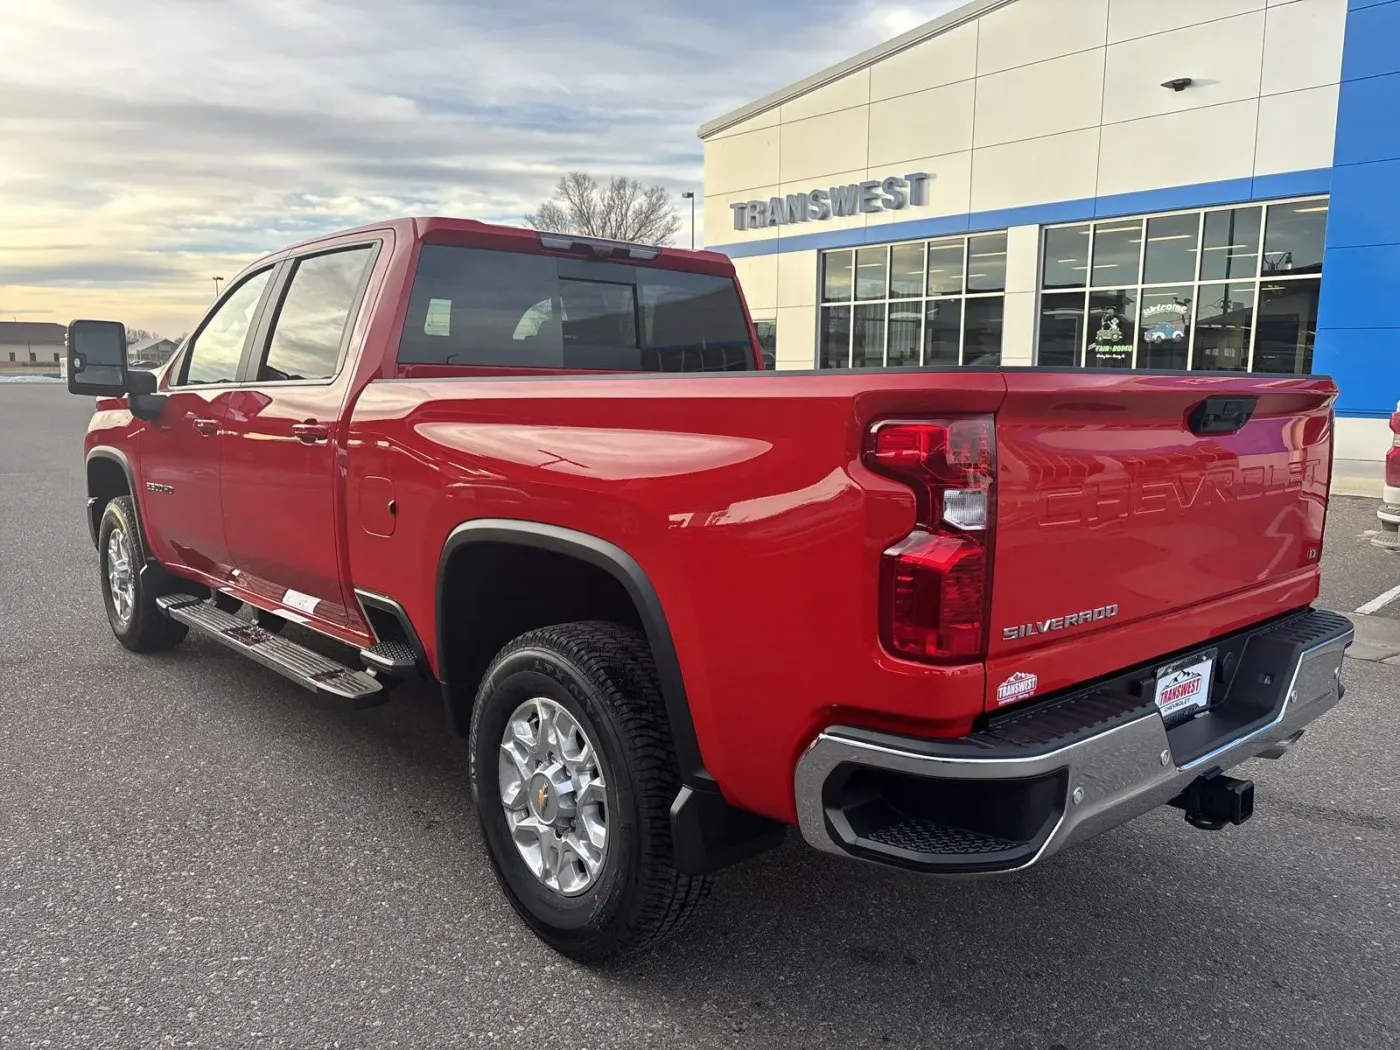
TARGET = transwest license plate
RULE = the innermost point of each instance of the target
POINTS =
(1183, 687)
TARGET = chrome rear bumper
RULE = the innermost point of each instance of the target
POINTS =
(1063, 771)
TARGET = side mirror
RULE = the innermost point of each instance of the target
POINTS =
(97, 358)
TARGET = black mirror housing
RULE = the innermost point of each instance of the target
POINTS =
(97, 358)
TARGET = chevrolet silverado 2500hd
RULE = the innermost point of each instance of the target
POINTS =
(950, 620)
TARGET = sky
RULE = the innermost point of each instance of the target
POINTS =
(147, 146)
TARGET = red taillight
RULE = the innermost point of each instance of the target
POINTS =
(1395, 424)
(934, 586)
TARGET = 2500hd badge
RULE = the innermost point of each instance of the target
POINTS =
(1058, 623)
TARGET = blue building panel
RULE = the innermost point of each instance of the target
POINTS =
(1358, 331)
(1362, 288)
(1353, 220)
(1365, 362)
(1373, 33)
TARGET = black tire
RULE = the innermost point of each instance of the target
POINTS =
(269, 622)
(604, 676)
(144, 628)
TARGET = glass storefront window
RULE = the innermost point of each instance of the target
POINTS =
(1224, 320)
(1166, 327)
(1230, 245)
(986, 263)
(836, 277)
(1287, 326)
(903, 337)
(904, 305)
(942, 332)
(1117, 251)
(945, 267)
(1066, 257)
(1171, 249)
(1293, 238)
(1112, 329)
(982, 323)
(835, 349)
(1061, 328)
(1223, 288)
(907, 270)
(872, 267)
(767, 331)
(868, 329)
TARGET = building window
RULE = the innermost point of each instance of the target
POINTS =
(921, 303)
(33, 357)
(55, 359)
(767, 331)
(1221, 289)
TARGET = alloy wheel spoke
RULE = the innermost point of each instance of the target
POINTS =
(594, 791)
(562, 834)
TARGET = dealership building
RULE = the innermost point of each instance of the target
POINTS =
(1203, 184)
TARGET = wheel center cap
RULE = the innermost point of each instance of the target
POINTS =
(544, 798)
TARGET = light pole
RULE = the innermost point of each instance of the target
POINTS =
(216, 286)
(690, 196)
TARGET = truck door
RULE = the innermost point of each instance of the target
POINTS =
(281, 488)
(181, 452)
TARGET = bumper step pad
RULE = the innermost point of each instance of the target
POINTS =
(309, 669)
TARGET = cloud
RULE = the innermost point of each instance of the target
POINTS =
(153, 143)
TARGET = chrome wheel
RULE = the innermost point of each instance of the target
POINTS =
(121, 580)
(555, 796)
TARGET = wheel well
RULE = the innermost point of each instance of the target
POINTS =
(106, 480)
(494, 591)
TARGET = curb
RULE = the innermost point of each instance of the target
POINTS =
(1370, 487)
(1377, 639)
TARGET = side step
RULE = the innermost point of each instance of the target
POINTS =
(392, 657)
(307, 668)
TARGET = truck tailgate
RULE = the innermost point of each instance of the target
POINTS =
(1110, 511)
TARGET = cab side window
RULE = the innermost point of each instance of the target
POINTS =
(215, 352)
(318, 309)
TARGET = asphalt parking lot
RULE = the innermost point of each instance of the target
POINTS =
(194, 853)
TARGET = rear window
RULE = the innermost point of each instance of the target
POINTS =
(472, 306)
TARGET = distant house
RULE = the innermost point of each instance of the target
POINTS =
(151, 352)
(31, 342)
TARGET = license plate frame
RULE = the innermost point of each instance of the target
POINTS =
(1182, 688)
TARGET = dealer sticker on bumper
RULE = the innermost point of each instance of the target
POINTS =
(1184, 687)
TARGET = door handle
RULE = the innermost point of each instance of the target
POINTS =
(207, 427)
(311, 431)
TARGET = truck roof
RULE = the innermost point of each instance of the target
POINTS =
(447, 228)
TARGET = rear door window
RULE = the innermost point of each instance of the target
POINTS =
(473, 306)
(317, 310)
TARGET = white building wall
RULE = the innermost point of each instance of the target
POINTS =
(1034, 103)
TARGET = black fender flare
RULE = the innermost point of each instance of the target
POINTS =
(709, 833)
(117, 456)
(154, 576)
(613, 560)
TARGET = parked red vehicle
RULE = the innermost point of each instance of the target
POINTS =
(949, 620)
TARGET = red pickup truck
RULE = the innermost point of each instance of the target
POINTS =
(949, 620)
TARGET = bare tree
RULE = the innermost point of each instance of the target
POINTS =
(624, 210)
(136, 335)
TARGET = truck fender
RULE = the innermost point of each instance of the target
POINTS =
(708, 832)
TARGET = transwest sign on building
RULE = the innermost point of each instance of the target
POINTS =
(889, 194)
